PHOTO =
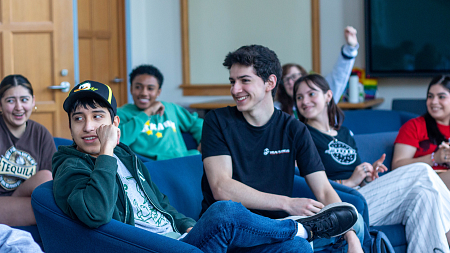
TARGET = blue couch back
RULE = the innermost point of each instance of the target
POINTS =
(375, 121)
(372, 146)
(62, 141)
(180, 179)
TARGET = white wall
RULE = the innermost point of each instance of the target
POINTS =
(155, 38)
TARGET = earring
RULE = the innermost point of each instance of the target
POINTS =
(35, 108)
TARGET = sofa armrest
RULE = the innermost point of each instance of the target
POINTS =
(60, 233)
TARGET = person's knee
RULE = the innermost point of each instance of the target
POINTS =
(226, 206)
(226, 211)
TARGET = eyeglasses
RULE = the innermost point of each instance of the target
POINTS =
(292, 77)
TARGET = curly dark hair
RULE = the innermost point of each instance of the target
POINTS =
(264, 61)
(147, 70)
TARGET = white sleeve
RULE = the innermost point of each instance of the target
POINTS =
(340, 74)
(16, 240)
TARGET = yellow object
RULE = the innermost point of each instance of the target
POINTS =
(362, 77)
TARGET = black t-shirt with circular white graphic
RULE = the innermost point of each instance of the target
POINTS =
(339, 153)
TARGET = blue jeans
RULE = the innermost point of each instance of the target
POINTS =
(229, 226)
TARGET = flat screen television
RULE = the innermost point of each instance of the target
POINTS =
(407, 38)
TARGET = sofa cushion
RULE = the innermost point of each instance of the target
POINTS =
(180, 179)
(375, 121)
(372, 146)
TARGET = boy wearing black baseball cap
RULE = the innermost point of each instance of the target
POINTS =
(97, 179)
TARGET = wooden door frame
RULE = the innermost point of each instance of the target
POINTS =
(190, 89)
(123, 50)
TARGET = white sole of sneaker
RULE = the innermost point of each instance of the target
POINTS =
(295, 218)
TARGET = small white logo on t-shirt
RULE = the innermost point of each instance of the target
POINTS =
(276, 152)
(341, 152)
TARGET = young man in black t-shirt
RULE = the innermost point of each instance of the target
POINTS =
(249, 151)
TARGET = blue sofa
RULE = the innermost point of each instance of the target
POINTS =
(61, 233)
(370, 148)
(180, 180)
(173, 176)
(375, 121)
(375, 132)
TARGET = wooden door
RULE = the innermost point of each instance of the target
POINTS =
(36, 40)
(101, 42)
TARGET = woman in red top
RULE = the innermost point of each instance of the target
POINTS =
(426, 138)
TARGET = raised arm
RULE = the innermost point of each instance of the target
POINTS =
(342, 69)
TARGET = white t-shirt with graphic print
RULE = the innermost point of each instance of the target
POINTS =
(146, 216)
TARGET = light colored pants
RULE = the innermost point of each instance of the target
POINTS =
(415, 196)
(16, 240)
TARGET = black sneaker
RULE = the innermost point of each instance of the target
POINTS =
(333, 220)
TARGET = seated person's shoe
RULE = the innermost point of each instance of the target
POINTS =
(333, 220)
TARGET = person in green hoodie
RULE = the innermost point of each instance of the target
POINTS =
(98, 178)
(153, 128)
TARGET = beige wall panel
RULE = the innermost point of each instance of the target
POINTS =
(31, 10)
(218, 27)
(84, 15)
(36, 65)
(45, 118)
(86, 63)
(102, 59)
(101, 19)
